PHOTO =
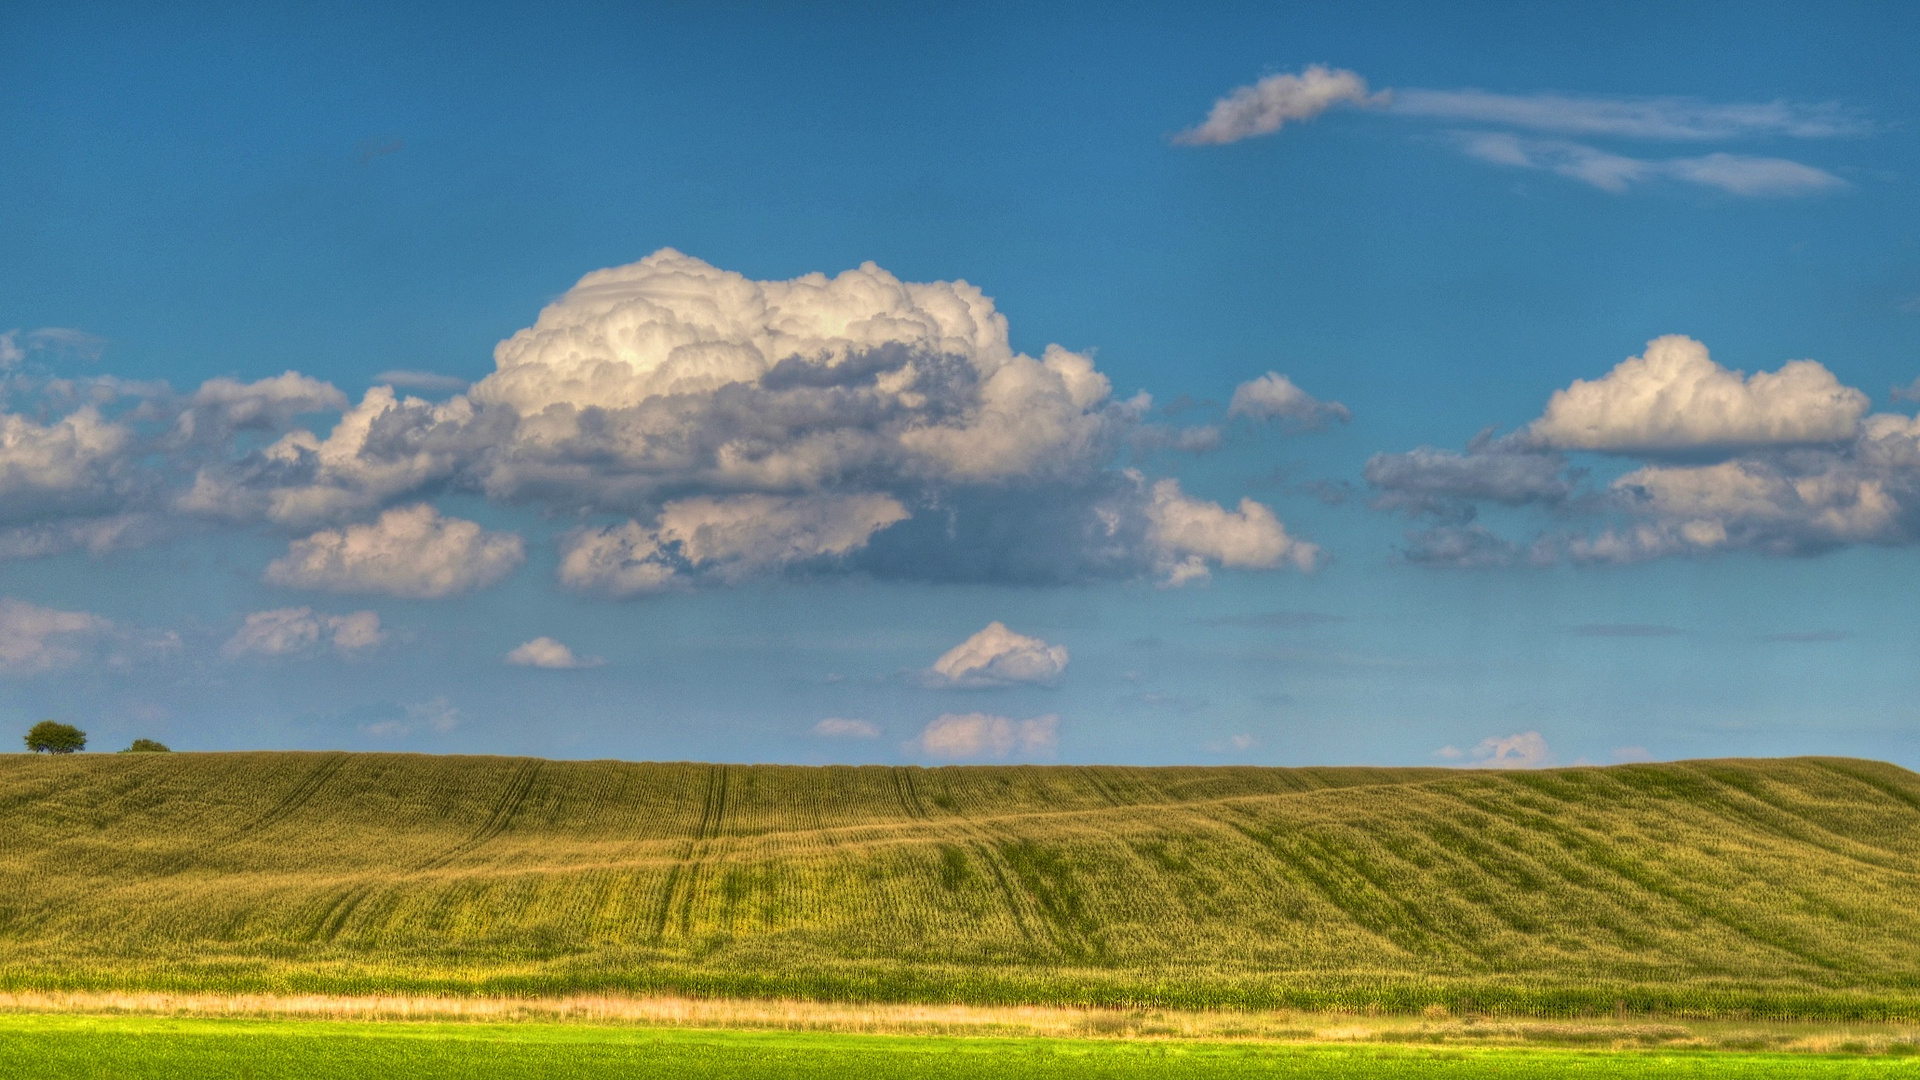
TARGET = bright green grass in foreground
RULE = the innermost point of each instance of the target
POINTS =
(137, 1048)
(1768, 887)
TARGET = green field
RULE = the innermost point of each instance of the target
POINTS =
(124, 1048)
(1777, 888)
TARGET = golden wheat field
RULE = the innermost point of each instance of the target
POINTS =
(1764, 887)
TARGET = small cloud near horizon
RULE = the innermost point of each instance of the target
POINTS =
(959, 736)
(1625, 630)
(839, 727)
(1275, 620)
(1233, 744)
(436, 714)
(1525, 750)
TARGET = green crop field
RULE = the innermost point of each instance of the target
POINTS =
(137, 1048)
(1772, 888)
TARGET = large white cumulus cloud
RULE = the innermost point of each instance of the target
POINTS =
(697, 427)
(673, 372)
(749, 426)
(1675, 397)
(1784, 462)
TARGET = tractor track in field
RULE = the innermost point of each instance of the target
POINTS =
(292, 801)
(985, 847)
(333, 918)
(1622, 866)
(519, 785)
(909, 795)
(1100, 784)
(677, 893)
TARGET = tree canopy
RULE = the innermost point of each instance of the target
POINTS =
(54, 737)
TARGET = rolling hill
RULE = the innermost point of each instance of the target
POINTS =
(1780, 887)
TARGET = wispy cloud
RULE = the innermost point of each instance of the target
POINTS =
(1510, 126)
(1669, 118)
(60, 340)
(430, 381)
(1276, 620)
(437, 715)
(1743, 175)
(840, 727)
(1270, 104)
(1735, 174)
(1630, 630)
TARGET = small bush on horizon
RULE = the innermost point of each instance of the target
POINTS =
(148, 746)
(54, 737)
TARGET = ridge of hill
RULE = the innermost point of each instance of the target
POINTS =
(1786, 887)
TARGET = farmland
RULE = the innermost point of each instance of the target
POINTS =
(139, 1047)
(1765, 888)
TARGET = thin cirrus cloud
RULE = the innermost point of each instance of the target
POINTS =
(1678, 119)
(1277, 100)
(297, 630)
(840, 727)
(1626, 630)
(1509, 126)
(1782, 462)
(429, 381)
(1736, 174)
(35, 639)
(16, 346)
(436, 715)
(1273, 620)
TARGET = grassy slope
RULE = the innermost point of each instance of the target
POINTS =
(138, 1047)
(1786, 886)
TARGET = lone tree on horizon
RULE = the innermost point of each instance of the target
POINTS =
(54, 737)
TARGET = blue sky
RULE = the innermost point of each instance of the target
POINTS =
(1478, 533)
